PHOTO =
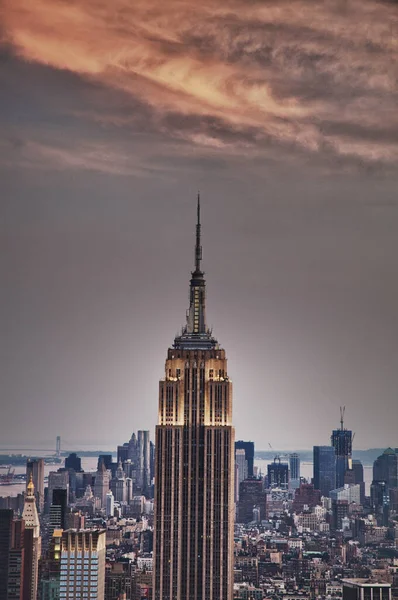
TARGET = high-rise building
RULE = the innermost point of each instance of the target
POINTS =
(73, 462)
(341, 440)
(12, 555)
(339, 513)
(324, 469)
(357, 469)
(241, 465)
(127, 467)
(19, 568)
(152, 461)
(248, 447)
(57, 480)
(6, 518)
(278, 474)
(136, 456)
(393, 501)
(110, 504)
(294, 466)
(385, 468)
(380, 501)
(144, 467)
(101, 486)
(132, 449)
(137, 506)
(350, 492)
(194, 466)
(251, 496)
(58, 510)
(35, 467)
(118, 485)
(385, 481)
(107, 460)
(82, 565)
(129, 490)
(49, 584)
(58, 446)
(123, 453)
(32, 544)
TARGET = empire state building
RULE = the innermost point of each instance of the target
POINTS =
(194, 472)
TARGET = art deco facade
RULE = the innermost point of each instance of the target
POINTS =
(32, 543)
(194, 470)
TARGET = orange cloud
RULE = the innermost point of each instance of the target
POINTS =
(278, 70)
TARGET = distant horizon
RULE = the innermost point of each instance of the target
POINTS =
(105, 447)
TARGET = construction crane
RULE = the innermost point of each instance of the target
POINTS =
(6, 478)
(278, 456)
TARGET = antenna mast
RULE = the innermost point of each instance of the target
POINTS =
(198, 247)
(342, 411)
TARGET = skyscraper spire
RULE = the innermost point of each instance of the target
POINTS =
(198, 247)
(193, 543)
(196, 334)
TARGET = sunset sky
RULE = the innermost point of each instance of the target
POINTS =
(285, 115)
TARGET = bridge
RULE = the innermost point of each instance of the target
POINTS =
(56, 452)
(27, 450)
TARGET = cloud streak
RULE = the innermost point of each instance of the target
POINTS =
(318, 78)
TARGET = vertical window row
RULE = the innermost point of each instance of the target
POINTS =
(186, 394)
(202, 394)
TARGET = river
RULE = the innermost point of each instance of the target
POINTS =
(89, 463)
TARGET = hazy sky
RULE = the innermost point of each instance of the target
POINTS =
(112, 116)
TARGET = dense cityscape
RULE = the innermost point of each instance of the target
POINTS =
(191, 515)
(293, 538)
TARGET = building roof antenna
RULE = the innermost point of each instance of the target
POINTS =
(342, 411)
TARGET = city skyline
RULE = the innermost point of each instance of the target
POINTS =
(285, 120)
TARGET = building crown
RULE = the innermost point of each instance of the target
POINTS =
(196, 334)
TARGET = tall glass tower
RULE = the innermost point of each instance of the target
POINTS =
(294, 465)
(342, 442)
(194, 461)
(324, 469)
